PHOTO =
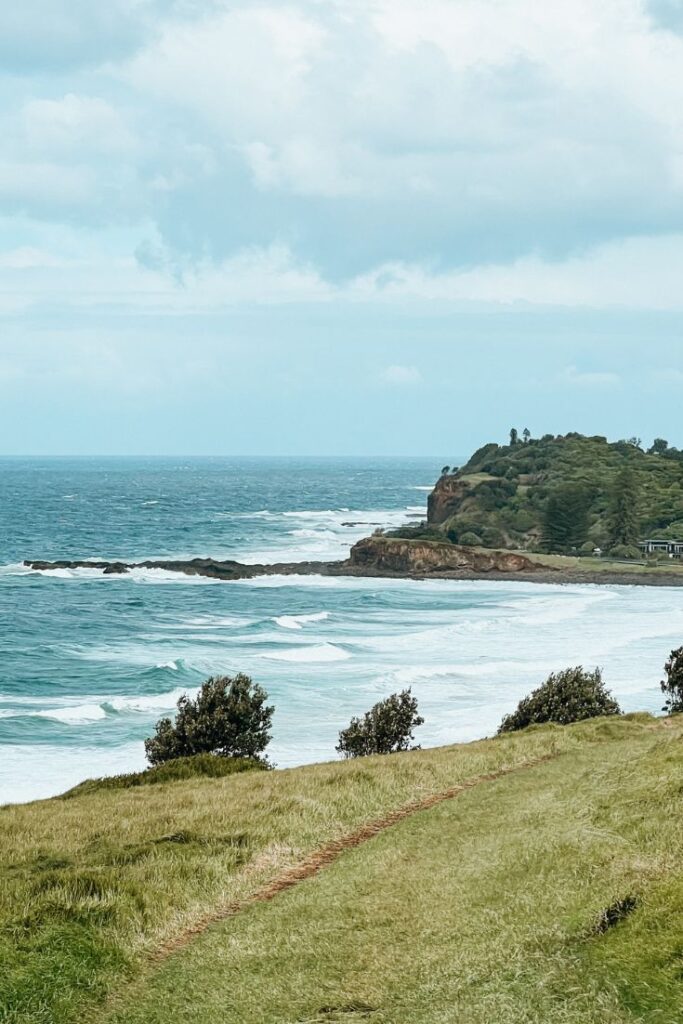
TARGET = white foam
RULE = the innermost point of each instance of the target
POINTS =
(299, 621)
(78, 714)
(15, 569)
(149, 703)
(319, 653)
(36, 772)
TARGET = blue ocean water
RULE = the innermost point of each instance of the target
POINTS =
(90, 662)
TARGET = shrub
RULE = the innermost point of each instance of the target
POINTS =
(199, 766)
(470, 540)
(565, 697)
(625, 551)
(386, 728)
(673, 684)
(229, 717)
(492, 537)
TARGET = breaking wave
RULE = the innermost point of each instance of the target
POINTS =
(318, 653)
(299, 621)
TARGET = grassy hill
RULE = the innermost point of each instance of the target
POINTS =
(500, 498)
(548, 890)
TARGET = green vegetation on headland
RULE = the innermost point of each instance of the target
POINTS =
(566, 494)
(533, 878)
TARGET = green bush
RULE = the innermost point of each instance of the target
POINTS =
(492, 537)
(470, 540)
(385, 729)
(625, 551)
(565, 697)
(199, 766)
(229, 717)
(673, 684)
(419, 531)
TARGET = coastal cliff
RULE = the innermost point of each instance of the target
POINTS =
(415, 558)
(558, 495)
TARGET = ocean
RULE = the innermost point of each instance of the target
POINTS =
(90, 662)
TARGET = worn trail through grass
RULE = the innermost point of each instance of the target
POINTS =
(327, 854)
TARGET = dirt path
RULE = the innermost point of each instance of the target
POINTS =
(326, 855)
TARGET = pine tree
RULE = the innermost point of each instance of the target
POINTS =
(622, 515)
(565, 522)
(514, 437)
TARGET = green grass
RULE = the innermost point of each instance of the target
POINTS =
(180, 768)
(482, 909)
(605, 565)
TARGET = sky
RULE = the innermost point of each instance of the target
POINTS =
(338, 226)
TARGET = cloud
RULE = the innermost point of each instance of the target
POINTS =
(590, 378)
(461, 133)
(74, 124)
(633, 273)
(432, 151)
(401, 376)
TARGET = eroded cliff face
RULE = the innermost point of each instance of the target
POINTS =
(446, 499)
(410, 557)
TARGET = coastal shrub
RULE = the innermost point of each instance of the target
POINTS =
(672, 686)
(470, 540)
(384, 729)
(565, 697)
(418, 531)
(229, 718)
(492, 537)
(629, 551)
(199, 766)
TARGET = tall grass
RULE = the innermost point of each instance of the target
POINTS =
(90, 885)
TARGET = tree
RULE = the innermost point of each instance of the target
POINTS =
(673, 684)
(526, 434)
(565, 697)
(385, 729)
(469, 539)
(565, 519)
(445, 470)
(514, 437)
(229, 717)
(659, 446)
(622, 513)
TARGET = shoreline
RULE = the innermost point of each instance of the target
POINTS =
(229, 570)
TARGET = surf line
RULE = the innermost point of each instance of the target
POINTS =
(326, 855)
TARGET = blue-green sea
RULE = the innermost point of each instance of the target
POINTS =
(89, 662)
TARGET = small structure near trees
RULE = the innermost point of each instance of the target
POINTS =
(670, 548)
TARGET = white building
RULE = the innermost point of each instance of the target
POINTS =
(672, 548)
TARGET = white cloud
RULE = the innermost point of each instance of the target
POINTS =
(635, 273)
(401, 376)
(75, 123)
(590, 378)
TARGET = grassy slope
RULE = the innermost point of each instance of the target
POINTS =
(480, 909)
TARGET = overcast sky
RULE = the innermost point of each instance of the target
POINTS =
(338, 226)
